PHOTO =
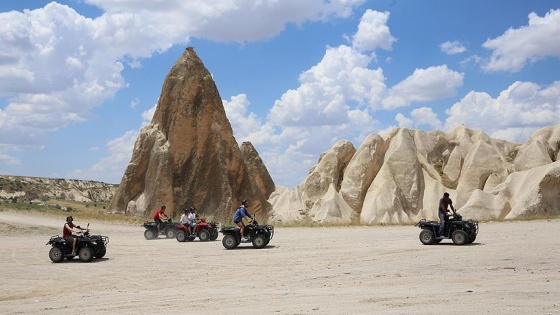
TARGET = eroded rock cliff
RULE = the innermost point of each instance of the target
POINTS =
(399, 178)
(187, 156)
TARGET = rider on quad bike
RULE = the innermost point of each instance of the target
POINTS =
(159, 217)
(68, 230)
(238, 217)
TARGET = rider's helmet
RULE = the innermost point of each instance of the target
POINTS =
(445, 194)
(245, 202)
(69, 218)
(192, 209)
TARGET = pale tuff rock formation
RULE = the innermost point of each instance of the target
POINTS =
(27, 189)
(400, 177)
(187, 156)
(523, 194)
(318, 196)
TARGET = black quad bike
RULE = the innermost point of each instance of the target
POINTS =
(206, 231)
(259, 235)
(88, 247)
(167, 228)
(460, 231)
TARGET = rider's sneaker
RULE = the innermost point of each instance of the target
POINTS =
(244, 239)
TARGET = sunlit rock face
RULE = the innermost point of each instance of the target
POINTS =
(400, 176)
(187, 156)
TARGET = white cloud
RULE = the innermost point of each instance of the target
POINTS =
(452, 48)
(517, 111)
(329, 90)
(373, 32)
(53, 56)
(424, 85)
(420, 117)
(512, 50)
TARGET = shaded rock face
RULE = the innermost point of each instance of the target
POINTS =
(257, 169)
(400, 177)
(187, 156)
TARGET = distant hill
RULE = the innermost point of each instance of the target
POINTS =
(29, 189)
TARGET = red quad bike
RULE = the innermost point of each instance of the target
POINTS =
(88, 247)
(206, 231)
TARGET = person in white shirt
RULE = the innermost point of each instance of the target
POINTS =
(191, 220)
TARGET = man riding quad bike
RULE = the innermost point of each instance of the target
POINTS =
(206, 231)
(88, 247)
(255, 233)
(458, 230)
(167, 228)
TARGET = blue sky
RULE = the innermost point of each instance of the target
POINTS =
(80, 78)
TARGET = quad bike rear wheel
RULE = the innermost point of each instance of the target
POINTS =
(85, 254)
(229, 241)
(181, 236)
(427, 237)
(259, 241)
(55, 254)
(459, 237)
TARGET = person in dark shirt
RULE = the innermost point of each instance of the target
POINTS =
(238, 218)
(443, 212)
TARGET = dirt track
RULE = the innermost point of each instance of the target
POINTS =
(512, 268)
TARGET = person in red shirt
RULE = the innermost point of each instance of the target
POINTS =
(67, 231)
(159, 216)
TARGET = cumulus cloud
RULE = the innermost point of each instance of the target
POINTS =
(513, 115)
(516, 47)
(419, 117)
(328, 90)
(53, 56)
(373, 32)
(424, 85)
(452, 48)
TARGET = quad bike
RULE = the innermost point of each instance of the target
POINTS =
(460, 231)
(259, 235)
(167, 228)
(88, 246)
(206, 231)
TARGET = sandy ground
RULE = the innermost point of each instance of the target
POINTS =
(512, 268)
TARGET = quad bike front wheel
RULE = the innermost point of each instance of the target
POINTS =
(229, 241)
(204, 235)
(100, 252)
(259, 241)
(427, 237)
(55, 254)
(213, 234)
(170, 233)
(459, 237)
(85, 254)
(150, 234)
